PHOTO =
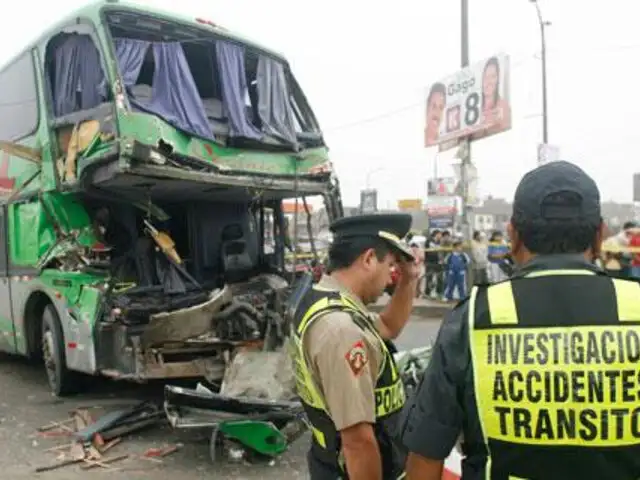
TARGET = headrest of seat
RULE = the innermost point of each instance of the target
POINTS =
(232, 232)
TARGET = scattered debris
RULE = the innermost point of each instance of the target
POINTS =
(256, 427)
(122, 422)
(103, 463)
(60, 425)
(94, 438)
(161, 452)
(57, 465)
(110, 445)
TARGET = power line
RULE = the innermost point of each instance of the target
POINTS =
(527, 58)
(375, 118)
(391, 113)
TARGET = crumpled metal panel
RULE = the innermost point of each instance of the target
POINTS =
(258, 374)
(185, 323)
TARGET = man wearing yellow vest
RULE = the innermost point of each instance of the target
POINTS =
(539, 374)
(345, 373)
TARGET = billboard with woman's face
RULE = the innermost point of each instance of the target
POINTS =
(473, 102)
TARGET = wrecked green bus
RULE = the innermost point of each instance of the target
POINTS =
(144, 159)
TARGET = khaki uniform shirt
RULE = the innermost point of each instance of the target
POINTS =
(344, 362)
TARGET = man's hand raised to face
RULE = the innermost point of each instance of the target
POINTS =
(410, 270)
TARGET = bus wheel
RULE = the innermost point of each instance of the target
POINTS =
(62, 381)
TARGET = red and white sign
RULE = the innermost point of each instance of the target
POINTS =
(441, 205)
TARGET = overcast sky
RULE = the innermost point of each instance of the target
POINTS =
(365, 68)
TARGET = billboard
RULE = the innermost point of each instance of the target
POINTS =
(368, 201)
(442, 186)
(441, 222)
(409, 204)
(441, 205)
(473, 102)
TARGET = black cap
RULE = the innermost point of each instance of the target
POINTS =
(532, 195)
(389, 227)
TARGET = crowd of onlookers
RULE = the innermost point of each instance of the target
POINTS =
(449, 270)
(447, 267)
(616, 258)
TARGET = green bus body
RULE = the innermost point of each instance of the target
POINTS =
(137, 159)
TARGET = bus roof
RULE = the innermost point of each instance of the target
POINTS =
(91, 9)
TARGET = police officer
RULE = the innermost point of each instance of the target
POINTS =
(345, 373)
(537, 374)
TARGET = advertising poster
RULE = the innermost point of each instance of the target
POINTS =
(441, 211)
(473, 102)
(409, 204)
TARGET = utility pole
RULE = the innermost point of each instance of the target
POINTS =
(465, 148)
(543, 55)
(368, 177)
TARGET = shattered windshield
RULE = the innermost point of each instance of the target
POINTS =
(212, 87)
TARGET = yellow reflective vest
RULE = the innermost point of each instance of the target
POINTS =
(556, 367)
(389, 390)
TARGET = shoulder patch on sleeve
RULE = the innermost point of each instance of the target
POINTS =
(357, 357)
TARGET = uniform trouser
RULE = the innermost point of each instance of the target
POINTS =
(319, 470)
(456, 280)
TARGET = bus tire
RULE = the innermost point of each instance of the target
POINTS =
(62, 381)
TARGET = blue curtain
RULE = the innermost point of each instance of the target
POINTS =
(130, 54)
(78, 75)
(175, 96)
(274, 106)
(234, 89)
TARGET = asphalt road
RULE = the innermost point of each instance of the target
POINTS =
(26, 404)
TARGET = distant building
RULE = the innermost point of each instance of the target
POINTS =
(289, 210)
(615, 214)
(420, 221)
(495, 214)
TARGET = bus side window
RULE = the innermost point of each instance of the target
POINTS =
(74, 74)
(77, 93)
(3, 242)
(18, 101)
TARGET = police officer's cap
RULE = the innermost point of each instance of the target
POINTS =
(389, 227)
(536, 187)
